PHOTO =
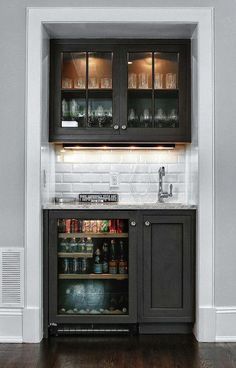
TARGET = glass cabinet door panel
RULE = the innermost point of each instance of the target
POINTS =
(100, 70)
(139, 109)
(100, 110)
(93, 267)
(139, 90)
(139, 70)
(73, 71)
(166, 109)
(73, 110)
(166, 70)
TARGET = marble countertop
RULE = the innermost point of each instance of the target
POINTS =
(119, 206)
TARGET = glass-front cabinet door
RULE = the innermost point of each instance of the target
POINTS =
(156, 86)
(86, 92)
(92, 268)
(133, 91)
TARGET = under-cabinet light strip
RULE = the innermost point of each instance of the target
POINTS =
(118, 147)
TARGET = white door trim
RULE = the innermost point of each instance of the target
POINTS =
(36, 17)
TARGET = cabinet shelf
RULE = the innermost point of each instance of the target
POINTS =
(93, 276)
(74, 255)
(93, 235)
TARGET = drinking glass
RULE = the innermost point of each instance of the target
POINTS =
(79, 83)
(160, 118)
(99, 113)
(106, 83)
(170, 80)
(143, 80)
(173, 117)
(158, 81)
(66, 83)
(132, 80)
(93, 83)
(73, 108)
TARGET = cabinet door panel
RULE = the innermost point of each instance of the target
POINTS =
(155, 85)
(168, 269)
(84, 92)
(167, 266)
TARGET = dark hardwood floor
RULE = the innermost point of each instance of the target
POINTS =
(150, 351)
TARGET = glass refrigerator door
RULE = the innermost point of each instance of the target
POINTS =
(92, 267)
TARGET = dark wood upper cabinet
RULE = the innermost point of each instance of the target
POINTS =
(131, 91)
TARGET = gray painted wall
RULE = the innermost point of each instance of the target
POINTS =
(12, 115)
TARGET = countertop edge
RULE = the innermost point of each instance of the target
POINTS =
(120, 206)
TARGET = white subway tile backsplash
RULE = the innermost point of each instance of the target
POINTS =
(89, 171)
(59, 178)
(82, 187)
(62, 168)
(63, 187)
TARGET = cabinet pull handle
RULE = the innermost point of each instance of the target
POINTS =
(133, 223)
(123, 127)
(116, 126)
(147, 223)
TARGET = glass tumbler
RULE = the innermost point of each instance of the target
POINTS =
(170, 81)
(158, 81)
(143, 80)
(79, 83)
(132, 80)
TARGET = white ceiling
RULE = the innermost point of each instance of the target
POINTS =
(120, 30)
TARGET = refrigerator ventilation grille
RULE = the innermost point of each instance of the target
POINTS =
(11, 277)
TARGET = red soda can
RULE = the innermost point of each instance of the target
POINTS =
(68, 225)
(120, 226)
(74, 226)
(112, 226)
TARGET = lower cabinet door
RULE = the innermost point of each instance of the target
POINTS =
(168, 285)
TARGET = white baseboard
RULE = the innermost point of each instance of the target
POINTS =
(225, 324)
(216, 324)
(205, 327)
(11, 325)
(32, 325)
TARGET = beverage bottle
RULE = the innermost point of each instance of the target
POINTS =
(113, 260)
(63, 245)
(89, 246)
(97, 266)
(73, 245)
(84, 266)
(81, 246)
(75, 265)
(105, 267)
(122, 265)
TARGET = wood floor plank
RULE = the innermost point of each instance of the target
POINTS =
(145, 351)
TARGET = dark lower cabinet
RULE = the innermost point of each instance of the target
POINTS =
(155, 293)
(167, 258)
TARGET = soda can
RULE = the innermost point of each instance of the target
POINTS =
(120, 226)
(74, 226)
(68, 225)
(112, 226)
(105, 226)
(80, 226)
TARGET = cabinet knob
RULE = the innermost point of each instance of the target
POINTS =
(116, 126)
(147, 223)
(123, 127)
(133, 223)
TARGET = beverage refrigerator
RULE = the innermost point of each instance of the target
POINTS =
(90, 271)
